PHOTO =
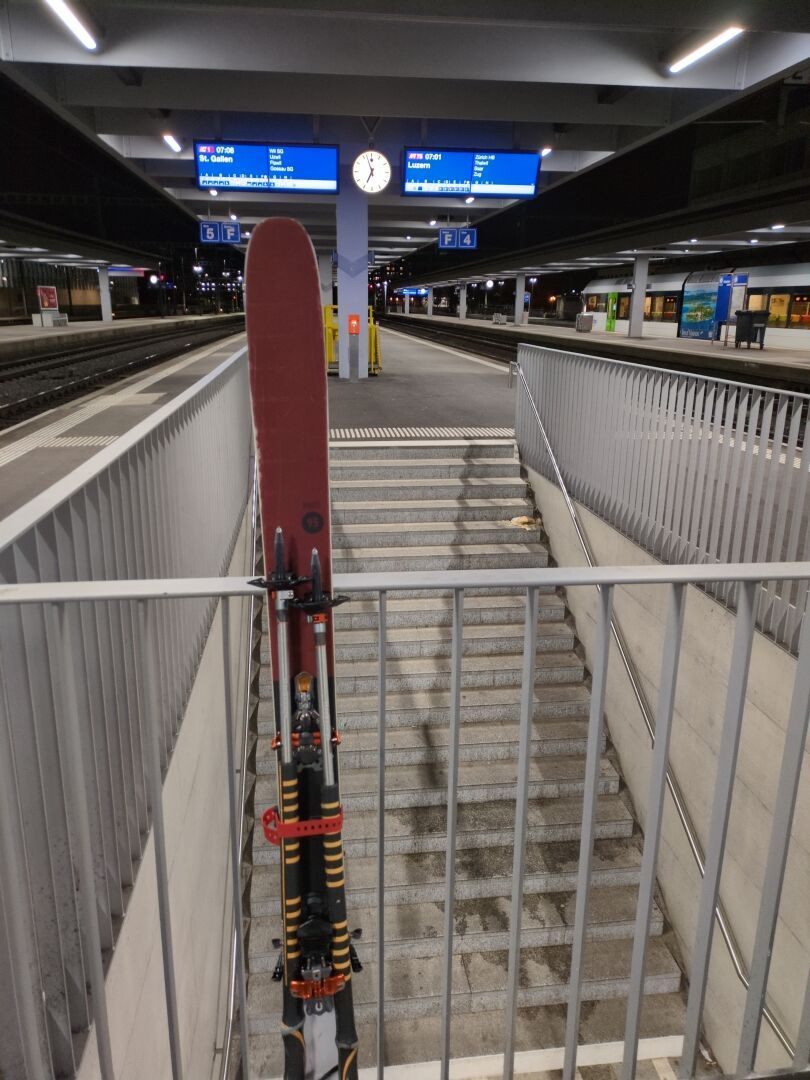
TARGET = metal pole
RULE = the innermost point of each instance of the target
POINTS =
(72, 750)
(18, 912)
(381, 676)
(773, 879)
(452, 820)
(592, 770)
(721, 806)
(236, 854)
(521, 828)
(152, 738)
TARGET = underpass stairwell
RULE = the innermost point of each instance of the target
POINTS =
(447, 504)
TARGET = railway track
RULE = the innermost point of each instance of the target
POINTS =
(29, 386)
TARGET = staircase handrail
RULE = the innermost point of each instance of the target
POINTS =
(673, 786)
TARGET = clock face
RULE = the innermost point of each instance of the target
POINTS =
(371, 171)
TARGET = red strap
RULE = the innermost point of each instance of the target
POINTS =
(317, 988)
(277, 830)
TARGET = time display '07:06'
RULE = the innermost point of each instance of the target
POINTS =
(267, 167)
(506, 174)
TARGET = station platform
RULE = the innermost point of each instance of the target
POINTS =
(27, 340)
(769, 364)
(423, 385)
(44, 450)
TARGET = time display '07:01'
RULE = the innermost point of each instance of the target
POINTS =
(265, 167)
(506, 174)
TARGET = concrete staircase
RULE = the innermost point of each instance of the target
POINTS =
(447, 505)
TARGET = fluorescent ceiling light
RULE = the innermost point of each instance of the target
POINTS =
(72, 21)
(754, 241)
(432, 221)
(776, 227)
(703, 50)
(545, 151)
(469, 199)
(172, 143)
(234, 217)
(213, 191)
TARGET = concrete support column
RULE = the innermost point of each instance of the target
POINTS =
(462, 301)
(520, 289)
(104, 290)
(640, 266)
(325, 276)
(407, 303)
(352, 272)
(430, 300)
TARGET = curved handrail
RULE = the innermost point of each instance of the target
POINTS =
(646, 711)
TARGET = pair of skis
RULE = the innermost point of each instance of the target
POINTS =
(290, 417)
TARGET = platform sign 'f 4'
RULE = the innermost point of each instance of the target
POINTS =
(468, 238)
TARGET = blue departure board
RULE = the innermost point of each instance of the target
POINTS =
(232, 166)
(504, 174)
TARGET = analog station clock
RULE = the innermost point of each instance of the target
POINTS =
(371, 172)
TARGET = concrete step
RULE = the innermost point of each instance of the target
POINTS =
(355, 510)
(473, 487)
(431, 708)
(410, 641)
(424, 448)
(540, 1027)
(372, 560)
(478, 672)
(481, 925)
(422, 468)
(428, 745)
(431, 533)
(421, 786)
(491, 640)
(482, 871)
(413, 986)
(438, 611)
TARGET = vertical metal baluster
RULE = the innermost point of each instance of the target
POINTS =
(801, 1054)
(592, 766)
(233, 821)
(789, 589)
(452, 819)
(688, 439)
(652, 828)
(747, 592)
(154, 741)
(729, 524)
(381, 677)
(783, 811)
(71, 748)
(18, 910)
(521, 828)
(701, 484)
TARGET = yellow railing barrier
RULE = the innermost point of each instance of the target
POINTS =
(330, 340)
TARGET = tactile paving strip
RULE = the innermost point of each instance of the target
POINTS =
(338, 434)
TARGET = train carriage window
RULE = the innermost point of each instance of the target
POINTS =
(778, 309)
(800, 311)
(757, 301)
(623, 310)
(670, 309)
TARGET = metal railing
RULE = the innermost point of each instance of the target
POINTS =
(80, 774)
(691, 468)
(65, 600)
(640, 696)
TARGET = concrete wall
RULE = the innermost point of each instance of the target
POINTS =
(702, 682)
(195, 800)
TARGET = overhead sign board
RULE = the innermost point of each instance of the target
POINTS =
(231, 232)
(468, 238)
(448, 238)
(210, 232)
(303, 169)
(505, 174)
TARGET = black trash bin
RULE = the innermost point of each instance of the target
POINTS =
(750, 327)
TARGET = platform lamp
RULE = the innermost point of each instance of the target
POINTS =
(73, 16)
(696, 48)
